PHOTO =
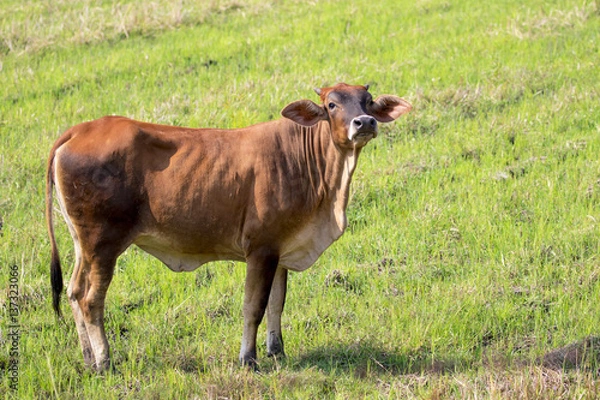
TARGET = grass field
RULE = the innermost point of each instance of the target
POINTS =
(471, 265)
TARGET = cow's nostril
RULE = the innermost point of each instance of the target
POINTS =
(364, 121)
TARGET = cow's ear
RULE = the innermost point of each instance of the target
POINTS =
(387, 108)
(304, 112)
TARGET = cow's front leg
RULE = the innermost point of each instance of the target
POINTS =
(260, 270)
(274, 310)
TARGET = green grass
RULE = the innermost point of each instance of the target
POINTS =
(470, 268)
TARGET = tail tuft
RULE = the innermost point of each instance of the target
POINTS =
(57, 283)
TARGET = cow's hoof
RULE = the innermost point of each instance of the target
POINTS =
(275, 346)
(250, 363)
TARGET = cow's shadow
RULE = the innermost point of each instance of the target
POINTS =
(366, 359)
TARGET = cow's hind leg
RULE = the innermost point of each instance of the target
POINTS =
(261, 267)
(77, 286)
(274, 310)
(87, 293)
(72, 290)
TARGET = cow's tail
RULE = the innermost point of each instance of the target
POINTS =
(56, 278)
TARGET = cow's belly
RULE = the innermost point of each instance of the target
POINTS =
(180, 260)
(297, 252)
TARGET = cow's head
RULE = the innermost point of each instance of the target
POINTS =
(351, 111)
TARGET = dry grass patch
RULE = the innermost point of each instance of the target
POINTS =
(537, 23)
(29, 26)
(574, 355)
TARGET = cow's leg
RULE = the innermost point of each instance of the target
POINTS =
(76, 285)
(274, 310)
(93, 311)
(88, 289)
(260, 270)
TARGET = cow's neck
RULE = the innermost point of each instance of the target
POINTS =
(341, 194)
(330, 169)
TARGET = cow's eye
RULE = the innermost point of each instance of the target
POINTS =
(331, 106)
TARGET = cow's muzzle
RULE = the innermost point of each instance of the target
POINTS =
(363, 127)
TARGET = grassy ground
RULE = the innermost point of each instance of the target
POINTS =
(470, 268)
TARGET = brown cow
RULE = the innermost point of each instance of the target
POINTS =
(273, 195)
